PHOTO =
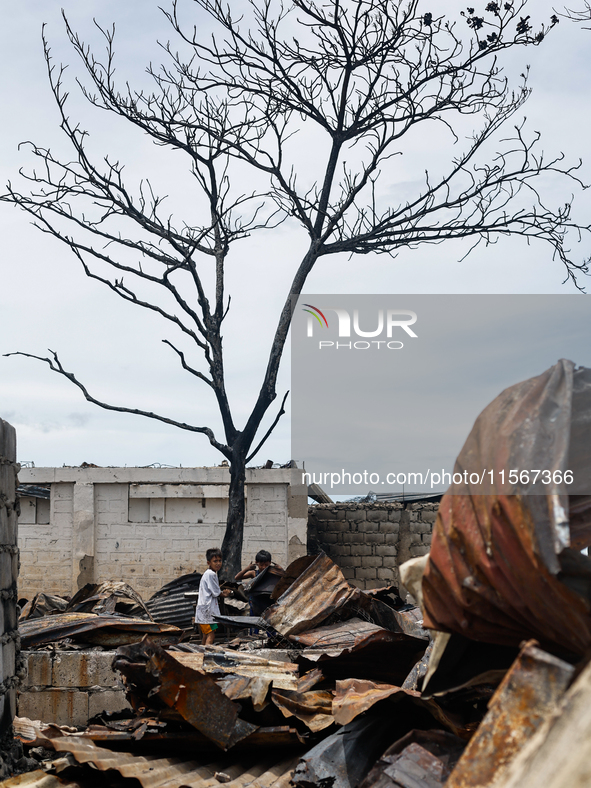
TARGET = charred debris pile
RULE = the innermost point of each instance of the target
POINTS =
(486, 683)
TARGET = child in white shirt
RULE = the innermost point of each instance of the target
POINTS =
(209, 592)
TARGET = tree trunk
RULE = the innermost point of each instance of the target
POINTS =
(232, 544)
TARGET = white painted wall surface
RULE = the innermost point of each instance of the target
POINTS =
(146, 526)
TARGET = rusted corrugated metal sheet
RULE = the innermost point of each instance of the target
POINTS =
(343, 759)
(43, 605)
(293, 571)
(169, 604)
(191, 693)
(313, 708)
(320, 590)
(38, 779)
(421, 759)
(346, 636)
(283, 675)
(154, 772)
(253, 688)
(112, 597)
(500, 567)
(277, 737)
(529, 693)
(354, 696)
(105, 630)
(559, 754)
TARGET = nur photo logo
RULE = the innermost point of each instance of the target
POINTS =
(385, 322)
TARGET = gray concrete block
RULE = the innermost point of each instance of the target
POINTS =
(107, 700)
(341, 549)
(347, 560)
(62, 706)
(417, 550)
(389, 528)
(329, 538)
(372, 560)
(377, 515)
(386, 573)
(428, 517)
(356, 514)
(389, 550)
(339, 526)
(39, 668)
(322, 514)
(361, 549)
(376, 538)
(348, 572)
(365, 573)
(375, 584)
(394, 515)
(84, 669)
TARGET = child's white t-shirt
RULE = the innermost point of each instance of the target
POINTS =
(207, 602)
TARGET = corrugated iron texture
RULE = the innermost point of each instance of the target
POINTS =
(500, 568)
(354, 696)
(421, 759)
(312, 708)
(105, 630)
(559, 754)
(38, 779)
(529, 693)
(344, 758)
(169, 605)
(318, 592)
(154, 772)
(191, 693)
(293, 571)
(346, 636)
(178, 742)
(283, 675)
(43, 604)
(111, 596)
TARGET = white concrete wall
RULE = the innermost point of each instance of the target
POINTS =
(147, 526)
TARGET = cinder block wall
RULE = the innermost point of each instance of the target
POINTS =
(369, 541)
(70, 687)
(146, 526)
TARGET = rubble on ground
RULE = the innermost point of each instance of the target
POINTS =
(485, 684)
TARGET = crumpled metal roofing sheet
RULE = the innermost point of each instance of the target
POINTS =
(283, 675)
(500, 568)
(169, 605)
(346, 636)
(38, 779)
(529, 694)
(319, 591)
(191, 693)
(313, 708)
(154, 772)
(48, 629)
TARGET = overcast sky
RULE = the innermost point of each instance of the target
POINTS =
(47, 302)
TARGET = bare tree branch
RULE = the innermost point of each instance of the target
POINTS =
(362, 77)
(56, 366)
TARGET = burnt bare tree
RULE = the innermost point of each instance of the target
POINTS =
(579, 14)
(364, 74)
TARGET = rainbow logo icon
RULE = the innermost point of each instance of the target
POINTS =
(316, 310)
